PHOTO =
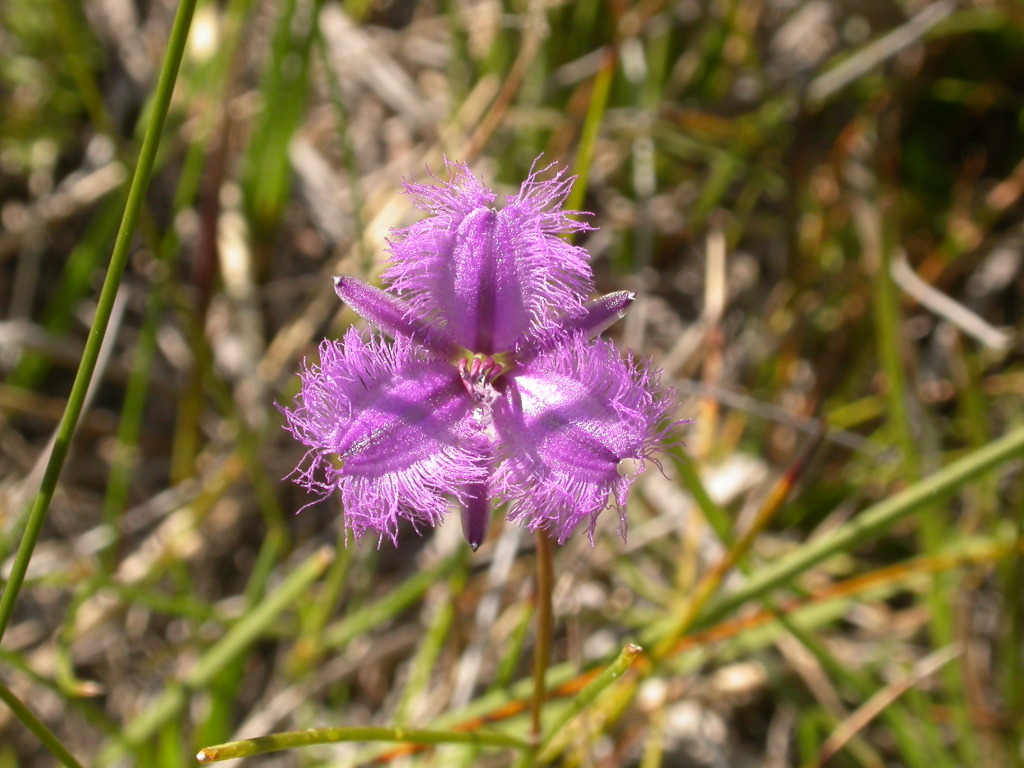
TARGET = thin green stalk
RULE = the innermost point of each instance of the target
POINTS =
(291, 739)
(118, 260)
(869, 523)
(932, 528)
(542, 648)
(34, 724)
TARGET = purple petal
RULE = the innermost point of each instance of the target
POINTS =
(490, 276)
(391, 315)
(387, 428)
(566, 422)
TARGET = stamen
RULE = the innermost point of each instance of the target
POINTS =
(478, 374)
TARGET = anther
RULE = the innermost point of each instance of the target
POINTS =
(478, 374)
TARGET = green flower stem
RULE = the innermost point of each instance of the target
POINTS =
(34, 724)
(118, 259)
(869, 523)
(291, 739)
(542, 648)
(589, 695)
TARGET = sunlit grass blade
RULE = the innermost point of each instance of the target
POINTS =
(746, 635)
(267, 175)
(593, 690)
(289, 740)
(239, 637)
(869, 523)
(596, 107)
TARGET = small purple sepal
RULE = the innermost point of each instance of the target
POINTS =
(593, 319)
(390, 315)
(476, 515)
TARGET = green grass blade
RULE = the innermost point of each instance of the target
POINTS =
(591, 128)
(34, 724)
(251, 625)
(291, 739)
(871, 522)
(588, 695)
(118, 259)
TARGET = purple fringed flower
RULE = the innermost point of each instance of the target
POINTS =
(493, 388)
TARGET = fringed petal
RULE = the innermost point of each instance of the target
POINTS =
(490, 275)
(387, 427)
(566, 423)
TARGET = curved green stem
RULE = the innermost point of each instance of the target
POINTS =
(118, 259)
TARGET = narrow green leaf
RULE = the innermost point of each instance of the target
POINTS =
(119, 258)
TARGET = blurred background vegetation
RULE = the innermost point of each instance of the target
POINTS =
(820, 206)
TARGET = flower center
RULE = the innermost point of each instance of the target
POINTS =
(478, 374)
